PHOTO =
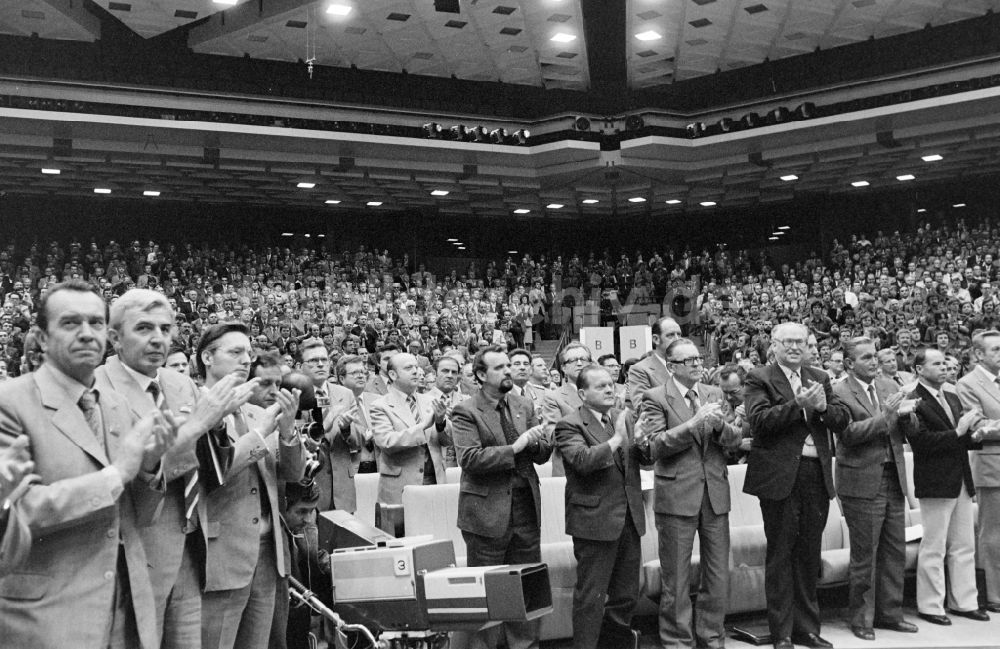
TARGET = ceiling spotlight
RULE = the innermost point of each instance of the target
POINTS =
(479, 134)
(373, 203)
(648, 35)
(726, 124)
(860, 183)
(225, 3)
(959, 205)
(440, 192)
(452, 240)
(789, 177)
(708, 203)
(51, 171)
(522, 135)
(433, 130)
(521, 211)
(101, 190)
(305, 185)
(460, 248)
(511, 252)
(750, 120)
(563, 37)
(555, 206)
(287, 234)
(459, 132)
(332, 201)
(498, 135)
(905, 177)
(590, 201)
(772, 238)
(784, 227)
(779, 115)
(673, 201)
(921, 210)
(151, 192)
(637, 199)
(695, 129)
(338, 10)
(581, 124)
(456, 242)
(934, 157)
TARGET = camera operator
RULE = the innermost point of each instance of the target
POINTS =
(340, 439)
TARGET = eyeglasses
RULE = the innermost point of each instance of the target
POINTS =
(691, 361)
(355, 373)
(793, 342)
(316, 361)
(579, 360)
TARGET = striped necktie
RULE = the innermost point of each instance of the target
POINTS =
(191, 492)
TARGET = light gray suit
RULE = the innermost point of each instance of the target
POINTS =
(336, 480)
(977, 392)
(242, 566)
(692, 495)
(401, 440)
(174, 569)
(557, 405)
(648, 373)
(81, 520)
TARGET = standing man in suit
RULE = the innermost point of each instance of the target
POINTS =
(564, 400)
(245, 553)
(342, 440)
(497, 439)
(652, 370)
(520, 374)
(889, 368)
(410, 430)
(689, 437)
(942, 480)
(141, 327)
(84, 583)
(447, 370)
(792, 411)
(979, 391)
(604, 513)
(871, 483)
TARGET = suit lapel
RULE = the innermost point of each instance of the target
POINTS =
(397, 403)
(126, 386)
(780, 382)
(934, 404)
(593, 427)
(67, 416)
(988, 387)
(492, 419)
(860, 396)
(676, 402)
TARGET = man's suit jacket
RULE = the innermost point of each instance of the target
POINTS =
(401, 439)
(488, 464)
(80, 519)
(557, 404)
(603, 489)
(233, 510)
(15, 536)
(336, 480)
(647, 373)
(779, 429)
(940, 456)
(862, 443)
(687, 462)
(978, 393)
(161, 513)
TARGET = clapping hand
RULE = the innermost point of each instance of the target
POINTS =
(15, 463)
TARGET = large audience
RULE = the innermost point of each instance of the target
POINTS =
(397, 364)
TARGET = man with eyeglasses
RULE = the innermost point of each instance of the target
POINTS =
(564, 400)
(689, 438)
(792, 411)
(245, 546)
(652, 370)
(614, 368)
(337, 411)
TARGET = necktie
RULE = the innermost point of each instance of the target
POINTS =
(898, 379)
(796, 381)
(692, 397)
(190, 478)
(322, 400)
(429, 476)
(509, 430)
(872, 396)
(609, 429)
(88, 403)
(154, 391)
(808, 445)
(946, 406)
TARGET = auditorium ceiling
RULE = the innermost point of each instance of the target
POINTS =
(544, 43)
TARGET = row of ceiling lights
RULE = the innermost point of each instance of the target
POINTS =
(777, 234)
(461, 133)
(864, 183)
